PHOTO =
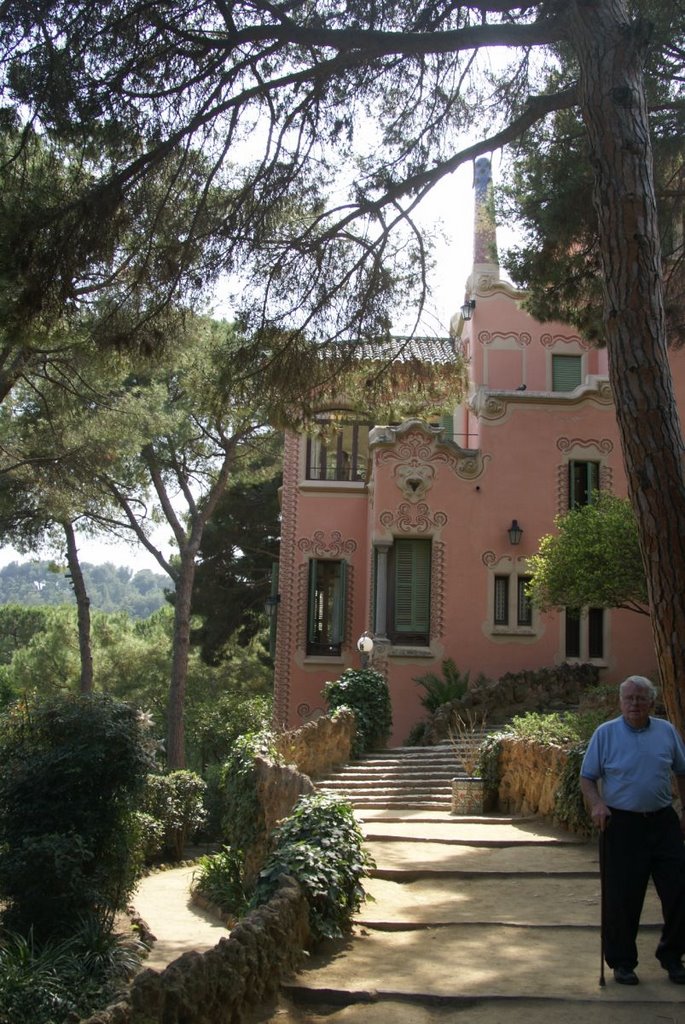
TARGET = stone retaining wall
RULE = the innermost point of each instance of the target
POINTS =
(222, 985)
(530, 774)
(311, 750)
(243, 970)
(320, 745)
(548, 689)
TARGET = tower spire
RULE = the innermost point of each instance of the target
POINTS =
(484, 227)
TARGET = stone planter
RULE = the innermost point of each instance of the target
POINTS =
(467, 796)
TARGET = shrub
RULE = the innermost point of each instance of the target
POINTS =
(242, 819)
(175, 801)
(62, 981)
(451, 685)
(321, 846)
(73, 773)
(219, 878)
(365, 691)
(563, 729)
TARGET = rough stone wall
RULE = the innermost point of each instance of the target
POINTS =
(319, 745)
(311, 750)
(243, 970)
(222, 985)
(547, 689)
(279, 787)
(530, 774)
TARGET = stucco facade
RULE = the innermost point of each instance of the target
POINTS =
(402, 530)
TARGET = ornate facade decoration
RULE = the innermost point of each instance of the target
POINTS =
(490, 337)
(287, 580)
(414, 481)
(487, 406)
(548, 340)
(417, 454)
(604, 446)
(437, 628)
(415, 519)
(335, 547)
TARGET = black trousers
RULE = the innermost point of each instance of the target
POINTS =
(637, 846)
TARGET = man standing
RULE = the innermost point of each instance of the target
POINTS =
(632, 758)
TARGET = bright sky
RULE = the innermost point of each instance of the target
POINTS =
(450, 205)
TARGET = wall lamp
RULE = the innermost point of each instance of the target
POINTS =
(467, 309)
(515, 532)
(365, 647)
(271, 605)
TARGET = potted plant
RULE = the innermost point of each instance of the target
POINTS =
(466, 734)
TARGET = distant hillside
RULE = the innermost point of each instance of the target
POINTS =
(111, 588)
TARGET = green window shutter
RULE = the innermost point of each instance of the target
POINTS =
(412, 586)
(566, 372)
(447, 424)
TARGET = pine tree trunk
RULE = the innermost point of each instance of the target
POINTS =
(179, 663)
(82, 610)
(611, 51)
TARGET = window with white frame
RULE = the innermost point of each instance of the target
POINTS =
(584, 634)
(511, 606)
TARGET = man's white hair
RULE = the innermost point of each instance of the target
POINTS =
(642, 681)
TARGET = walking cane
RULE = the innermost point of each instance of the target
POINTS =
(602, 858)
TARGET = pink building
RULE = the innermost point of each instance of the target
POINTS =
(420, 533)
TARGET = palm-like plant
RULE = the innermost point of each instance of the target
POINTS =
(445, 688)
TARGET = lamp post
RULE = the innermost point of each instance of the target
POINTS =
(365, 648)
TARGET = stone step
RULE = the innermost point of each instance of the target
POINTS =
(477, 961)
(407, 777)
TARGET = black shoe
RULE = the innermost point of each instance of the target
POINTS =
(676, 971)
(627, 976)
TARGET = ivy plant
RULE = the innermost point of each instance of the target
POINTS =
(321, 846)
(365, 692)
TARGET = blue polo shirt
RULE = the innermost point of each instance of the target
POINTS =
(635, 765)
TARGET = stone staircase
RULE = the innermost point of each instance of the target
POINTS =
(405, 777)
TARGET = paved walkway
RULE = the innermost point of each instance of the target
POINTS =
(163, 901)
(494, 920)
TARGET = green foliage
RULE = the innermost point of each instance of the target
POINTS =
(213, 724)
(110, 588)
(63, 980)
(488, 761)
(175, 800)
(560, 728)
(365, 691)
(239, 545)
(73, 773)
(549, 194)
(219, 878)
(132, 661)
(451, 685)
(593, 561)
(569, 805)
(242, 820)
(322, 846)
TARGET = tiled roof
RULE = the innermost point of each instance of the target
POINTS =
(404, 349)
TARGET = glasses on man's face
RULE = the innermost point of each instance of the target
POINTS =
(636, 700)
